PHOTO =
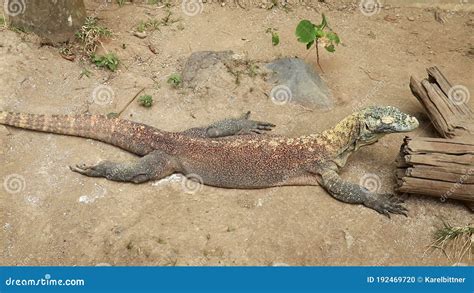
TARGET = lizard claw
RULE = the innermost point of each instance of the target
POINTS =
(252, 126)
(257, 127)
(387, 204)
(87, 170)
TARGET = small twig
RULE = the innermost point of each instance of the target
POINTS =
(129, 102)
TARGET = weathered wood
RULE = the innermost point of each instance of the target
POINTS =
(435, 75)
(426, 168)
(441, 189)
(438, 166)
(450, 118)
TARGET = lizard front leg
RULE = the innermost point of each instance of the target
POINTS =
(153, 166)
(232, 126)
(353, 193)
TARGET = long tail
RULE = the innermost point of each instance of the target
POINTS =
(134, 137)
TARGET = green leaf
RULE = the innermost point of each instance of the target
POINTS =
(308, 45)
(332, 36)
(324, 22)
(319, 33)
(305, 31)
(275, 39)
(330, 48)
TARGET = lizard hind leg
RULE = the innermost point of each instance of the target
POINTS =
(384, 203)
(155, 165)
(232, 126)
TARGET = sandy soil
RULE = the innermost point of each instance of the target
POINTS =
(56, 217)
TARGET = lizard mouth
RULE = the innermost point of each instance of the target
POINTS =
(409, 124)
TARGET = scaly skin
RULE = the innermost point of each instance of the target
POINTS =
(230, 154)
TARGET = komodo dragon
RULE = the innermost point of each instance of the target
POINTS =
(231, 154)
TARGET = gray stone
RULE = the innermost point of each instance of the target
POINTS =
(305, 86)
(54, 21)
(201, 65)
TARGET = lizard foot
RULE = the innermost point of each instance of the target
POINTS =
(242, 125)
(92, 170)
(386, 203)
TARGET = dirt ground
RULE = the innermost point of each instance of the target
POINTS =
(57, 217)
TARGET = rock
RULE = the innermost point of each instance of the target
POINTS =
(35, 16)
(214, 73)
(140, 35)
(411, 18)
(305, 86)
(204, 65)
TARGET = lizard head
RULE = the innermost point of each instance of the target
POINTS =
(376, 121)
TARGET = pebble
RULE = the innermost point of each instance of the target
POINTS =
(411, 18)
(140, 35)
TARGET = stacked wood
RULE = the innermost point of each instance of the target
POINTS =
(441, 167)
(437, 167)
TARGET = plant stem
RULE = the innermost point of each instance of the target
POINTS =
(317, 55)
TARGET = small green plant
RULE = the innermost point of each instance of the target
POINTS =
(2, 21)
(275, 36)
(454, 241)
(121, 2)
(113, 115)
(150, 24)
(175, 80)
(85, 72)
(312, 34)
(145, 101)
(90, 34)
(141, 27)
(109, 61)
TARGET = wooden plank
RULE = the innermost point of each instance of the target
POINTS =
(435, 76)
(420, 93)
(437, 158)
(447, 146)
(439, 174)
(438, 188)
